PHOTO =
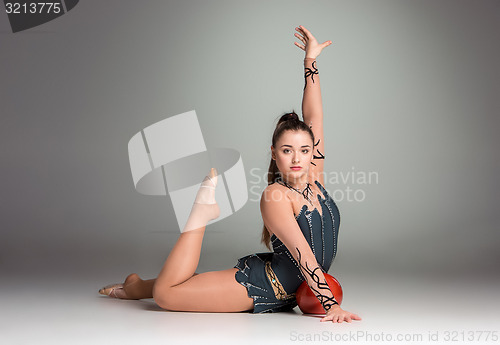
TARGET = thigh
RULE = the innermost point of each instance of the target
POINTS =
(215, 291)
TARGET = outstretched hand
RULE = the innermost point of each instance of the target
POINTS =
(338, 315)
(310, 46)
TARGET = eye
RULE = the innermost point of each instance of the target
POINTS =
(286, 150)
(305, 151)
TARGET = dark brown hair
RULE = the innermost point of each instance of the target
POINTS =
(287, 122)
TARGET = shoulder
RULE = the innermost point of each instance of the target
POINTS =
(276, 209)
(275, 194)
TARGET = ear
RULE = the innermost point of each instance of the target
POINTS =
(273, 155)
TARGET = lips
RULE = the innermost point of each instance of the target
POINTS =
(296, 168)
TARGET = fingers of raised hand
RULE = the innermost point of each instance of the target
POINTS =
(305, 32)
(300, 46)
(326, 43)
(300, 38)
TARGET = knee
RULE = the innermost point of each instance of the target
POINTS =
(161, 297)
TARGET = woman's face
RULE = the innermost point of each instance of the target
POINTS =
(293, 149)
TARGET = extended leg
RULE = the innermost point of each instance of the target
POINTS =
(184, 257)
(132, 288)
(177, 290)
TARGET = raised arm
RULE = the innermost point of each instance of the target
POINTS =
(312, 106)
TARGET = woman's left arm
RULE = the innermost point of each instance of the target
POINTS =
(312, 106)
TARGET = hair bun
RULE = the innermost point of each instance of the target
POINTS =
(289, 117)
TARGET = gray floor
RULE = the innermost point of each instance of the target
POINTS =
(70, 311)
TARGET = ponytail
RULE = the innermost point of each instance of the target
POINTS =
(287, 122)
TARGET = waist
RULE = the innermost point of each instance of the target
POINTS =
(287, 272)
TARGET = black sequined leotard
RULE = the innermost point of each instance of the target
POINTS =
(272, 278)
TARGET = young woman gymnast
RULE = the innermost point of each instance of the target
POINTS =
(301, 221)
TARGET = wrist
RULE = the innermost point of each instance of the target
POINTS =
(333, 307)
(309, 58)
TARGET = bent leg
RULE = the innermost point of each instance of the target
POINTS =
(132, 288)
(215, 291)
(138, 288)
(182, 261)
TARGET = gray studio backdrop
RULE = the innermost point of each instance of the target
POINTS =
(410, 95)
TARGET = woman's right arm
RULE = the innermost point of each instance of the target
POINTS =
(278, 217)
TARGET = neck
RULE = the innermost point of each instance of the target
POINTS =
(299, 183)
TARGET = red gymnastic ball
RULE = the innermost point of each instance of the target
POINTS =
(309, 303)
